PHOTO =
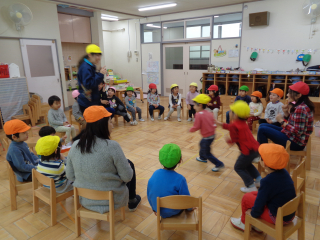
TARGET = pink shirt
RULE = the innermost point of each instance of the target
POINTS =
(204, 121)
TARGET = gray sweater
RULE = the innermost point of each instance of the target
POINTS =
(56, 118)
(272, 110)
(76, 111)
(130, 101)
(105, 169)
(153, 99)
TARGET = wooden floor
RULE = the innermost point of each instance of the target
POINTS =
(220, 191)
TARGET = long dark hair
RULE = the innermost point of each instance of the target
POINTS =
(98, 129)
(216, 93)
(303, 98)
(85, 57)
(54, 155)
(154, 93)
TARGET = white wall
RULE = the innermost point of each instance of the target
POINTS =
(226, 44)
(44, 25)
(288, 29)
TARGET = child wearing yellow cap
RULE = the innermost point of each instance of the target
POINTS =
(20, 158)
(276, 188)
(48, 148)
(248, 146)
(193, 92)
(174, 101)
(167, 182)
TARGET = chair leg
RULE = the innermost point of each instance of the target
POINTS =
(247, 230)
(158, 233)
(35, 204)
(13, 197)
(301, 231)
(308, 158)
(78, 225)
(53, 210)
(112, 237)
(123, 213)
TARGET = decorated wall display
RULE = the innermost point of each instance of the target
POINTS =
(219, 52)
(281, 51)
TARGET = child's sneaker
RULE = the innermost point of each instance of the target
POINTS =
(257, 184)
(256, 160)
(189, 119)
(217, 169)
(248, 189)
(135, 122)
(141, 120)
(200, 160)
(134, 205)
(152, 119)
(132, 123)
(179, 119)
(69, 144)
(159, 117)
(129, 116)
(166, 118)
(236, 222)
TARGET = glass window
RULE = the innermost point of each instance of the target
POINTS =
(227, 26)
(198, 28)
(151, 32)
(174, 57)
(173, 30)
(199, 57)
(41, 65)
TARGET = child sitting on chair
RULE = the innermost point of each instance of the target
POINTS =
(130, 100)
(256, 108)
(215, 103)
(76, 112)
(190, 103)
(174, 102)
(167, 182)
(276, 189)
(49, 149)
(153, 99)
(58, 120)
(20, 158)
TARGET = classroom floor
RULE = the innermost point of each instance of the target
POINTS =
(220, 191)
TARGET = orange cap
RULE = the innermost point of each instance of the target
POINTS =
(257, 94)
(95, 113)
(278, 91)
(15, 126)
(274, 156)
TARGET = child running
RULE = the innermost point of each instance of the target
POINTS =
(242, 136)
(154, 101)
(205, 122)
(193, 92)
(131, 105)
(215, 103)
(174, 101)
(256, 108)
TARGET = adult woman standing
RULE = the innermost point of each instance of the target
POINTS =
(96, 162)
(89, 78)
(300, 120)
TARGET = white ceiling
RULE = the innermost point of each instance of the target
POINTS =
(130, 7)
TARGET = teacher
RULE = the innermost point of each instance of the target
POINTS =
(98, 163)
(299, 126)
(89, 78)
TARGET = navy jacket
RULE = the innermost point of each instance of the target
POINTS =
(246, 98)
(90, 79)
(276, 189)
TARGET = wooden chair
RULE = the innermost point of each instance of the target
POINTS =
(155, 110)
(27, 115)
(254, 125)
(304, 153)
(81, 212)
(278, 231)
(182, 108)
(15, 186)
(187, 220)
(117, 120)
(47, 195)
(299, 177)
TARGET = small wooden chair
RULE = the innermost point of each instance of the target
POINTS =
(299, 177)
(15, 186)
(182, 108)
(187, 220)
(304, 153)
(155, 110)
(27, 115)
(81, 212)
(47, 195)
(278, 231)
(254, 125)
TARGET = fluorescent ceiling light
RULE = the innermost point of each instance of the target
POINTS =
(154, 26)
(157, 7)
(216, 16)
(109, 17)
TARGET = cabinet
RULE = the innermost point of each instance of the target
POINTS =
(75, 29)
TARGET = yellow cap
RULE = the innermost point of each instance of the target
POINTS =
(47, 145)
(92, 48)
(202, 99)
(194, 84)
(241, 108)
(174, 85)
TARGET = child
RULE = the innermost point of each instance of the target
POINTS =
(241, 135)
(256, 108)
(58, 120)
(131, 104)
(103, 97)
(273, 108)
(167, 182)
(49, 149)
(206, 123)
(214, 104)
(242, 96)
(19, 156)
(76, 112)
(174, 101)
(154, 101)
(114, 103)
(276, 188)
(190, 103)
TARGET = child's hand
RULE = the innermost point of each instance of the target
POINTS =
(269, 121)
(82, 119)
(248, 212)
(64, 137)
(279, 118)
(219, 123)
(106, 102)
(251, 115)
(209, 104)
(103, 70)
(155, 105)
(155, 213)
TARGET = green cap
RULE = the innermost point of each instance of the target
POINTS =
(170, 155)
(254, 56)
(244, 88)
(306, 58)
(130, 88)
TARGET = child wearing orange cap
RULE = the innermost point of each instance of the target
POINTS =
(256, 108)
(273, 108)
(19, 156)
(276, 189)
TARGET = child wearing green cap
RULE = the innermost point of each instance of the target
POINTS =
(167, 182)
(130, 100)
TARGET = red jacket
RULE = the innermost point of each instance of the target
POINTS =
(204, 121)
(242, 136)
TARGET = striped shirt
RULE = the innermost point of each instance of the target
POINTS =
(54, 170)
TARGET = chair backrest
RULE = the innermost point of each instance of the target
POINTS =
(35, 110)
(179, 202)
(291, 207)
(42, 179)
(12, 177)
(6, 142)
(299, 171)
(70, 116)
(93, 194)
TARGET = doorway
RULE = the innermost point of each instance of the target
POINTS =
(184, 63)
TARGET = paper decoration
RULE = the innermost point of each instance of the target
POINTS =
(152, 66)
(69, 58)
(233, 53)
(292, 51)
(288, 51)
(248, 48)
(284, 51)
(259, 49)
(150, 56)
(251, 49)
(219, 52)
(279, 51)
(153, 77)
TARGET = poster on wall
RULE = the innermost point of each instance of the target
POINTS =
(219, 52)
(153, 66)
(233, 53)
(153, 77)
